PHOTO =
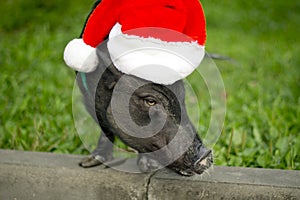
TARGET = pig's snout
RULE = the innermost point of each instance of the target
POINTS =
(195, 164)
(204, 162)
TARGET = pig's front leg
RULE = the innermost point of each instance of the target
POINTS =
(147, 164)
(103, 152)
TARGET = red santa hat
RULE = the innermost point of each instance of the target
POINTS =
(160, 41)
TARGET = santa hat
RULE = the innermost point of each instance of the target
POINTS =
(160, 41)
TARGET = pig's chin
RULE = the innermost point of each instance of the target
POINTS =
(198, 168)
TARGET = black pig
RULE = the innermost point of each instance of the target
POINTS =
(154, 121)
(150, 104)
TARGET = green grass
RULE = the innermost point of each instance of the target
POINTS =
(36, 87)
(262, 124)
(262, 80)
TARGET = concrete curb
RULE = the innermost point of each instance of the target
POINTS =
(32, 175)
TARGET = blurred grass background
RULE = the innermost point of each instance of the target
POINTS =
(262, 79)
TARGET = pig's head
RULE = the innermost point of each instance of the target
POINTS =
(152, 119)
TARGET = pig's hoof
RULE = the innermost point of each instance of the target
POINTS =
(147, 164)
(92, 161)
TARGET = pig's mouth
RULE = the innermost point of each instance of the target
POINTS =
(200, 166)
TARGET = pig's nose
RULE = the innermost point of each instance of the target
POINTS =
(205, 159)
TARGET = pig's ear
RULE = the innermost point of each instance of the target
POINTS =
(105, 61)
(80, 56)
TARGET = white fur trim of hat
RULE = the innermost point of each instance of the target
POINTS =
(153, 59)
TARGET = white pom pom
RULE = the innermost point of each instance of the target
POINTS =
(80, 56)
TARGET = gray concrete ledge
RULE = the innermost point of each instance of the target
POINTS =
(32, 175)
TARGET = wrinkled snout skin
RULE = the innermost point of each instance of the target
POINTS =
(148, 117)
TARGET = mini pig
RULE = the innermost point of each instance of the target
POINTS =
(130, 59)
(149, 103)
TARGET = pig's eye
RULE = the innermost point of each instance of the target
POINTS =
(149, 101)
